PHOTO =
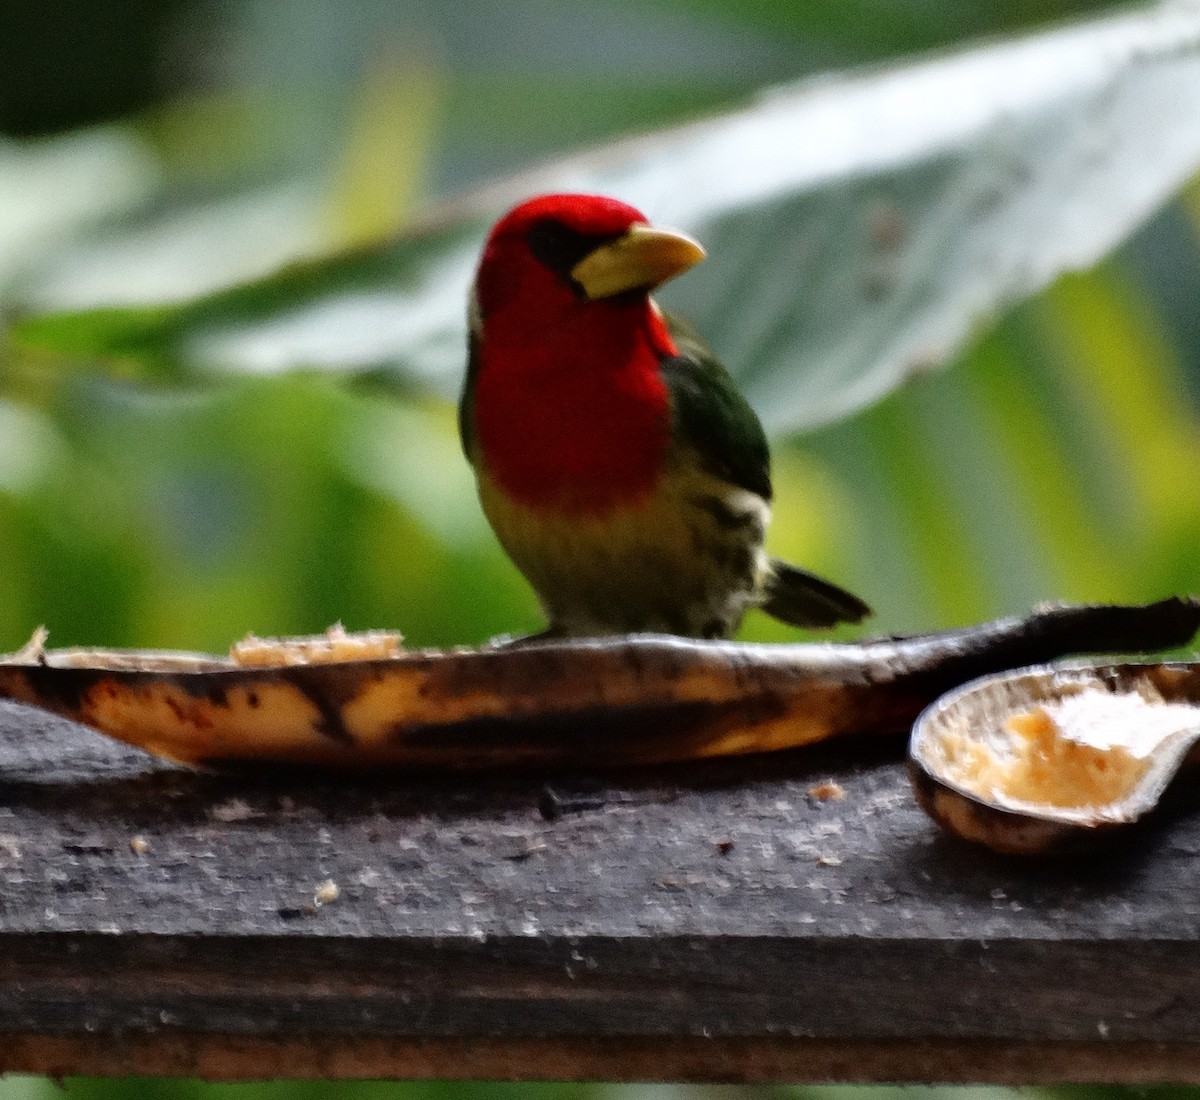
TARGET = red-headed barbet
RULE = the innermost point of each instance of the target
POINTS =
(619, 466)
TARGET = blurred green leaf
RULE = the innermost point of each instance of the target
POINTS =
(884, 28)
(860, 226)
(182, 246)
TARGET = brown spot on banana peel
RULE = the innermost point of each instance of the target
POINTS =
(626, 735)
(575, 703)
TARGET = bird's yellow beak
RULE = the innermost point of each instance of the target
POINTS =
(641, 259)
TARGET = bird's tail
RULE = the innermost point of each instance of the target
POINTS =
(804, 599)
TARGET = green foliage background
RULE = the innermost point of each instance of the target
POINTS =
(1055, 460)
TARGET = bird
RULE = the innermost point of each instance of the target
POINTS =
(618, 464)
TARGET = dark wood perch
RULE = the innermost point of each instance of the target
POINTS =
(783, 917)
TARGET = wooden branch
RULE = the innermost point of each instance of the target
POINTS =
(789, 917)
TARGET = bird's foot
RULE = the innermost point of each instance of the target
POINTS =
(507, 641)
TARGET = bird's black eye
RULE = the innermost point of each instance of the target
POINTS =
(560, 247)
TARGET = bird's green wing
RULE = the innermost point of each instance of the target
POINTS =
(712, 417)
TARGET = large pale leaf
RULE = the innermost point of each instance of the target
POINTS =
(860, 226)
(51, 187)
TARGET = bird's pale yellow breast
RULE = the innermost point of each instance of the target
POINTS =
(678, 561)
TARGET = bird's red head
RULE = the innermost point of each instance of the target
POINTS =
(531, 250)
(570, 409)
(553, 254)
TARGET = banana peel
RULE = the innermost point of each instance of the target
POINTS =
(363, 702)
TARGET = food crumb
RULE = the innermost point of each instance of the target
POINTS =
(1053, 768)
(326, 892)
(233, 810)
(334, 646)
(829, 861)
(829, 791)
(139, 845)
(1087, 749)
